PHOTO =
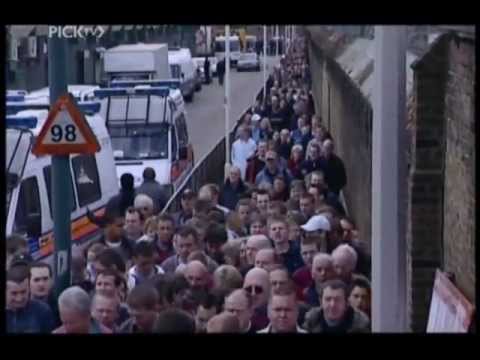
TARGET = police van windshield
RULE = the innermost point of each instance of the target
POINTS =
(220, 45)
(140, 142)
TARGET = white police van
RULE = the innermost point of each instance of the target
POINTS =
(147, 124)
(29, 202)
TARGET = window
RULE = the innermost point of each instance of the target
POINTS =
(86, 179)
(182, 131)
(28, 204)
(176, 71)
(140, 142)
(47, 175)
(174, 144)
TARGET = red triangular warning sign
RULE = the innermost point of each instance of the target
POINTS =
(66, 131)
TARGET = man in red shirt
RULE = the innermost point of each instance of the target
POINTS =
(302, 278)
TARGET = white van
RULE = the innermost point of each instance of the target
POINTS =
(183, 69)
(29, 206)
(146, 121)
(234, 48)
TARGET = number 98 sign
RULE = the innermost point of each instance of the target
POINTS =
(66, 131)
(69, 133)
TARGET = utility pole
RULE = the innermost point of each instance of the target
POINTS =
(389, 181)
(227, 99)
(264, 63)
(61, 176)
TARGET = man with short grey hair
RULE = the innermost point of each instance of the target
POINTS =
(233, 188)
(145, 204)
(345, 261)
(322, 271)
(74, 305)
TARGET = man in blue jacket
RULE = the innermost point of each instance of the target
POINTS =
(25, 315)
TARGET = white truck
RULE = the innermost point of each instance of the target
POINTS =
(137, 62)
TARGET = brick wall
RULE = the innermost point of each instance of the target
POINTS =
(425, 210)
(459, 193)
(348, 116)
(440, 230)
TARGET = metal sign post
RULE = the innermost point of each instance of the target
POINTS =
(61, 176)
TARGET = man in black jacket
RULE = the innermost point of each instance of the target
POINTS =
(152, 188)
(334, 169)
(206, 70)
(114, 237)
(335, 314)
(233, 188)
(221, 71)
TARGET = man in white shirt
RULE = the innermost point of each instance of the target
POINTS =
(242, 149)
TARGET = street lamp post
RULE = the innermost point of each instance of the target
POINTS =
(227, 99)
(264, 63)
(389, 181)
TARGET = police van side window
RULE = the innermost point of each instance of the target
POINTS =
(47, 175)
(86, 179)
(174, 143)
(28, 204)
(182, 131)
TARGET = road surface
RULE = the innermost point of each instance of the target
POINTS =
(206, 115)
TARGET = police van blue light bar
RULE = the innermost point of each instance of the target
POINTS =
(89, 108)
(29, 122)
(15, 98)
(171, 83)
(159, 91)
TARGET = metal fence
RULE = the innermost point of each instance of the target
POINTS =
(210, 169)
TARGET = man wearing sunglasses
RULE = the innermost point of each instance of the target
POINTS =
(257, 285)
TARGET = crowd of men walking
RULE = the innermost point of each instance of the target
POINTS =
(269, 251)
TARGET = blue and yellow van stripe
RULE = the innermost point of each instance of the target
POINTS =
(81, 229)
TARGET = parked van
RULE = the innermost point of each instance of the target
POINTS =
(183, 69)
(147, 125)
(234, 48)
(29, 178)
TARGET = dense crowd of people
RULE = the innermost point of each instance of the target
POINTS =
(270, 251)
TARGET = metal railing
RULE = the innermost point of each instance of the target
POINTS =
(210, 169)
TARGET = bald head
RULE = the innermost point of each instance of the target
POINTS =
(257, 284)
(223, 323)
(239, 304)
(256, 243)
(344, 261)
(196, 274)
(265, 259)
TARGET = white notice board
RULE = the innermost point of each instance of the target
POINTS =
(450, 311)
